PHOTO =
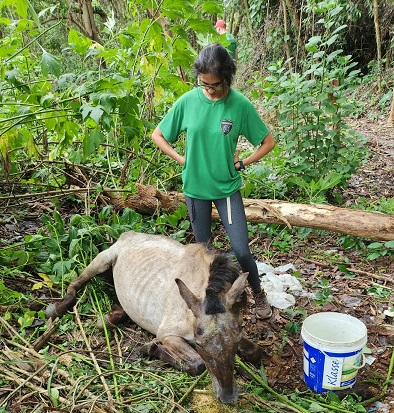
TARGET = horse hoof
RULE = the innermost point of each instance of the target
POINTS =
(50, 311)
(104, 322)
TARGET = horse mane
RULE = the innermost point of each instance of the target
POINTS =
(222, 272)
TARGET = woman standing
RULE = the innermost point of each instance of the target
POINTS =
(213, 116)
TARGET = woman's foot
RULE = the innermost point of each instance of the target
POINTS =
(262, 308)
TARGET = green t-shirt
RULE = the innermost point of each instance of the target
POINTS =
(212, 131)
(232, 46)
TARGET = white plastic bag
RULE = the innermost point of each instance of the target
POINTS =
(277, 283)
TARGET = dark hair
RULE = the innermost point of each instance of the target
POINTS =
(215, 59)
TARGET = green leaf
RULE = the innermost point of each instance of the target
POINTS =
(212, 7)
(85, 110)
(54, 396)
(338, 29)
(50, 64)
(11, 77)
(375, 245)
(79, 42)
(373, 256)
(21, 7)
(389, 244)
(96, 113)
(108, 101)
(74, 247)
(311, 46)
(344, 268)
(177, 9)
(91, 142)
(332, 39)
(27, 319)
(65, 81)
(202, 26)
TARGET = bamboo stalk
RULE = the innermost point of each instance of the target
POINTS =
(63, 192)
(192, 386)
(27, 382)
(93, 357)
(13, 333)
(279, 397)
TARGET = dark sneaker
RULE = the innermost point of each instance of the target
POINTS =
(262, 308)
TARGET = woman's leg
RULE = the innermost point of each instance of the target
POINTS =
(200, 213)
(234, 221)
(232, 214)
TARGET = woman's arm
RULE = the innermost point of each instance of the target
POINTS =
(266, 146)
(161, 142)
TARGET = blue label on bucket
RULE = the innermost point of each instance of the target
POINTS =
(328, 371)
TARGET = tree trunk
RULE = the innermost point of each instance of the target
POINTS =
(83, 18)
(390, 120)
(293, 14)
(235, 32)
(378, 42)
(88, 19)
(286, 43)
(359, 223)
(251, 33)
(300, 42)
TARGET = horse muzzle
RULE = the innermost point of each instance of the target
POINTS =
(224, 395)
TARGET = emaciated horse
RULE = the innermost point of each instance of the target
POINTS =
(197, 325)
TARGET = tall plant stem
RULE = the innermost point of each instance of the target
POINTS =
(280, 397)
(294, 406)
(32, 41)
(378, 43)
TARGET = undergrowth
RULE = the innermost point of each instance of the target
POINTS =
(84, 368)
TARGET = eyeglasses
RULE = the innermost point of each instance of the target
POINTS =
(215, 86)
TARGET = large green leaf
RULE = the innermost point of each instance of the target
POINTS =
(91, 142)
(79, 42)
(212, 7)
(20, 6)
(177, 9)
(312, 45)
(12, 77)
(50, 64)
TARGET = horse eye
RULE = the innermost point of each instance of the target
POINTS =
(199, 331)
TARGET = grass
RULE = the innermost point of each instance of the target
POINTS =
(82, 368)
(68, 365)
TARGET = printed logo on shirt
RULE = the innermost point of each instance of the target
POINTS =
(226, 125)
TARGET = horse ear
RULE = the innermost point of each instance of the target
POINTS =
(236, 290)
(193, 302)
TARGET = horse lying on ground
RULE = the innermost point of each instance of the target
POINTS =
(197, 325)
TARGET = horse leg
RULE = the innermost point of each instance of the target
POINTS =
(114, 317)
(250, 352)
(177, 352)
(100, 264)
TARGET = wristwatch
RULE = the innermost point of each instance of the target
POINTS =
(241, 165)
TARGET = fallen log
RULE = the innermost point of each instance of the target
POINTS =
(372, 225)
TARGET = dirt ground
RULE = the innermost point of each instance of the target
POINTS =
(364, 290)
(356, 295)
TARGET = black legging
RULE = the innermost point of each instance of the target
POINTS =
(200, 212)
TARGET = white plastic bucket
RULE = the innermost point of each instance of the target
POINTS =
(333, 344)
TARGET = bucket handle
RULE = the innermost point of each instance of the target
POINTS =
(364, 360)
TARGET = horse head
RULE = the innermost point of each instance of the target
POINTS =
(218, 330)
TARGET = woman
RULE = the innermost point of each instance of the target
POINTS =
(213, 116)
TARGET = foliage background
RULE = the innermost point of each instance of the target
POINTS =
(85, 83)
